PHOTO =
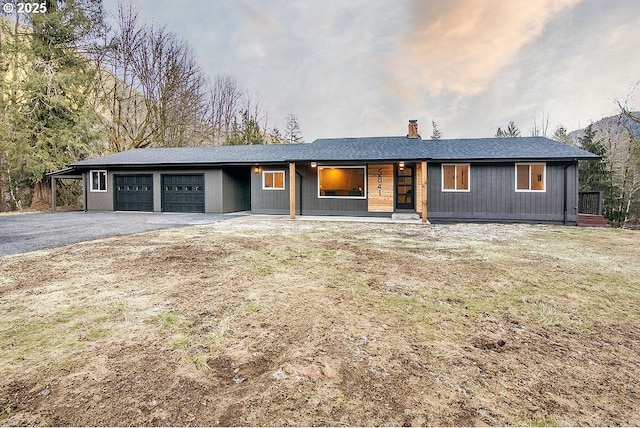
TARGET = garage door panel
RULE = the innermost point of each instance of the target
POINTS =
(133, 192)
(183, 193)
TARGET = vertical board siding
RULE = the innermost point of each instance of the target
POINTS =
(380, 179)
(492, 195)
(269, 201)
(213, 191)
(236, 185)
(277, 201)
(313, 205)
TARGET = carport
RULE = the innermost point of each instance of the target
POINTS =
(66, 174)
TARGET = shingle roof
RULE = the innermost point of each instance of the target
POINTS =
(350, 149)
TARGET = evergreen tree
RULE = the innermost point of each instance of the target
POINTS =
(276, 136)
(595, 175)
(512, 130)
(560, 134)
(436, 134)
(48, 119)
(245, 133)
(292, 132)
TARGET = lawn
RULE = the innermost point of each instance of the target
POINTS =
(278, 322)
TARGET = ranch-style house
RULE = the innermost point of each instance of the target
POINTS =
(528, 179)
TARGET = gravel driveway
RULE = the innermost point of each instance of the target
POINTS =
(21, 233)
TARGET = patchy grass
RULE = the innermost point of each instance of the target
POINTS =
(299, 323)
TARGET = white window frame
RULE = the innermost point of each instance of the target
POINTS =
(364, 190)
(455, 181)
(100, 172)
(284, 179)
(544, 177)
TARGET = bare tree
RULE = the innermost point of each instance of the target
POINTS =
(152, 87)
(224, 100)
(625, 109)
(540, 129)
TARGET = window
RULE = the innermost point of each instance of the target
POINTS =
(272, 180)
(98, 181)
(530, 177)
(342, 182)
(455, 177)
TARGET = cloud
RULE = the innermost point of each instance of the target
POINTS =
(459, 46)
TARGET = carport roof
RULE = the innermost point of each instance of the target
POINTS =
(349, 150)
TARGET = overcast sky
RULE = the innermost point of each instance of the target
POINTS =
(365, 67)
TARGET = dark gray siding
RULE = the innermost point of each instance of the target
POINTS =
(308, 202)
(269, 201)
(492, 195)
(213, 191)
(313, 205)
(236, 188)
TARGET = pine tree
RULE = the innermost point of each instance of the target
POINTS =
(276, 136)
(595, 175)
(560, 134)
(245, 133)
(292, 132)
(48, 119)
(512, 130)
(436, 134)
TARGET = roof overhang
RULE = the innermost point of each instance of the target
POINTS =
(71, 173)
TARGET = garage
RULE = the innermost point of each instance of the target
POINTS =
(183, 193)
(133, 192)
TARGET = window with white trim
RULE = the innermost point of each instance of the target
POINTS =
(347, 182)
(456, 177)
(531, 177)
(273, 180)
(98, 181)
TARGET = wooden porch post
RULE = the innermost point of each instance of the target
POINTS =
(423, 184)
(292, 190)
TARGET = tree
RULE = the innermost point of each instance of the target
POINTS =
(48, 118)
(246, 132)
(512, 130)
(292, 133)
(596, 175)
(540, 129)
(500, 133)
(225, 97)
(560, 135)
(276, 136)
(624, 107)
(436, 134)
(152, 87)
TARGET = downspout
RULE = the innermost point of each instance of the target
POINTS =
(566, 191)
(299, 190)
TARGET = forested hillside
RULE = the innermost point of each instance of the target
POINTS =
(73, 87)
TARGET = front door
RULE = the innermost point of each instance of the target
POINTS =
(405, 189)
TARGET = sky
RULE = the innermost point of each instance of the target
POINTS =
(366, 67)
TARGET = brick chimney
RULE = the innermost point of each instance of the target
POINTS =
(413, 129)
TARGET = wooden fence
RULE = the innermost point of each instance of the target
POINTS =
(590, 203)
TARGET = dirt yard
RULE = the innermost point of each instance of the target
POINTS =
(275, 322)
